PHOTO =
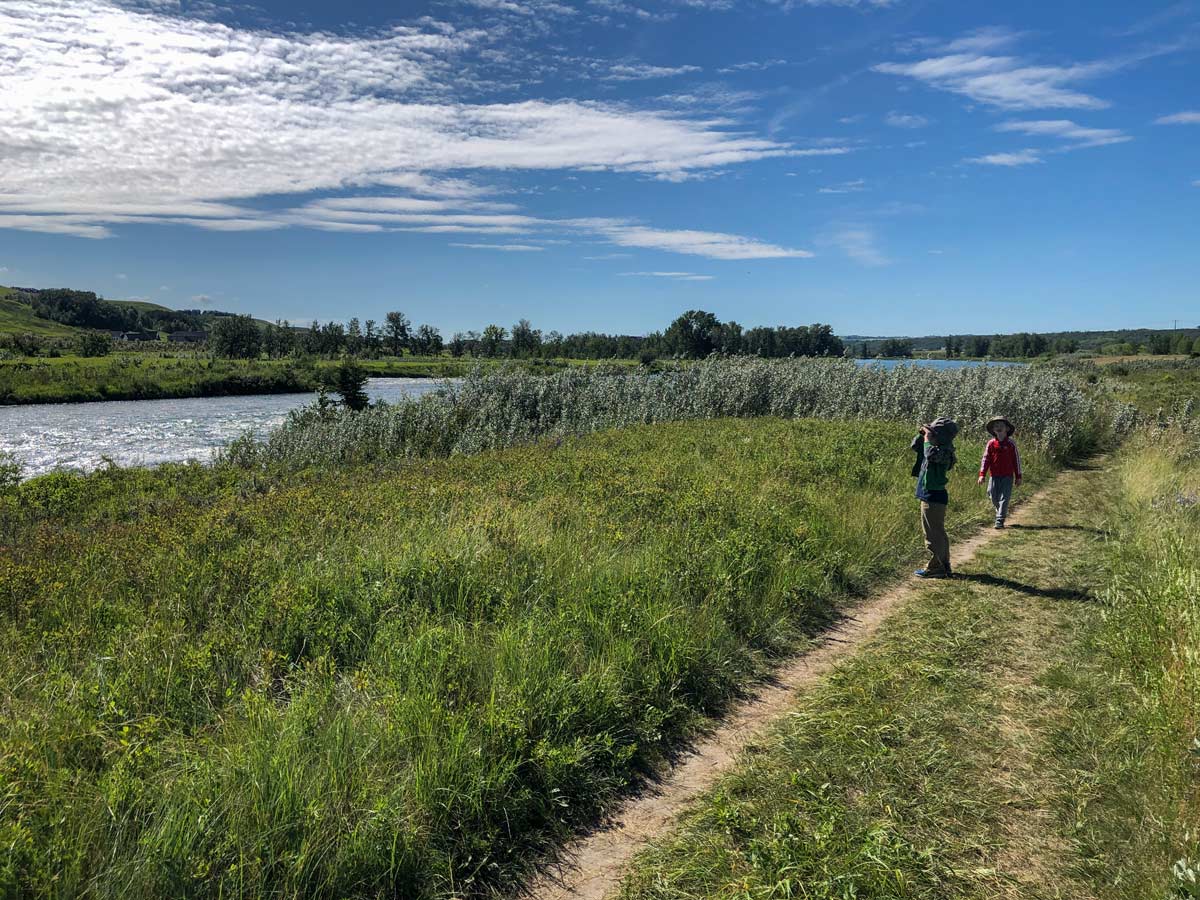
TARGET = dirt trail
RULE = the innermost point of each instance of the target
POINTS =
(592, 867)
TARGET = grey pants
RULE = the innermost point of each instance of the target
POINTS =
(937, 542)
(1000, 493)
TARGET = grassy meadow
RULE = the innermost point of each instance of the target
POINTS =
(405, 679)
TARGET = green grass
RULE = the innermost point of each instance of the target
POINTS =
(405, 679)
(1028, 731)
(16, 317)
(1163, 387)
(1129, 740)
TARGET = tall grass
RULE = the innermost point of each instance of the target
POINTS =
(1148, 772)
(403, 680)
(497, 410)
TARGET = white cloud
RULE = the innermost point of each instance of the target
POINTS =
(858, 243)
(529, 8)
(641, 71)
(1078, 135)
(674, 276)
(1196, 183)
(846, 187)
(509, 248)
(965, 67)
(1189, 117)
(121, 276)
(753, 66)
(1019, 158)
(610, 256)
(714, 245)
(905, 120)
(115, 114)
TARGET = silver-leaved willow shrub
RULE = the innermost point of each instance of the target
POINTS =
(502, 409)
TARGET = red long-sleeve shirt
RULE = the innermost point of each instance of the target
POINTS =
(1001, 459)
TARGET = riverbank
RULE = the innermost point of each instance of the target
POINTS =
(161, 376)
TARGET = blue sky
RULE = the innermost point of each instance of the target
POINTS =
(899, 167)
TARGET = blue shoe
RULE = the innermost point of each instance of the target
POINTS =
(928, 573)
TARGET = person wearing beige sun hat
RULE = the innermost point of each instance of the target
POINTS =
(1003, 463)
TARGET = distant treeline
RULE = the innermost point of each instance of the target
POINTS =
(1033, 344)
(693, 335)
(83, 309)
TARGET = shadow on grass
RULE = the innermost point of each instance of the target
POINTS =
(1075, 594)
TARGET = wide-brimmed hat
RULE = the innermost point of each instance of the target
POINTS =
(996, 420)
(944, 428)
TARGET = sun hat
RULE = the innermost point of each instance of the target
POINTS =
(996, 420)
(944, 428)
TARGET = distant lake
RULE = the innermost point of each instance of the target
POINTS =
(146, 432)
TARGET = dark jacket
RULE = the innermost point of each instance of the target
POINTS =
(937, 461)
(918, 447)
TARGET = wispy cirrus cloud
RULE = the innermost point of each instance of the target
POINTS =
(643, 72)
(712, 244)
(859, 243)
(1188, 117)
(846, 187)
(674, 276)
(1017, 158)
(115, 114)
(507, 248)
(968, 66)
(752, 66)
(905, 120)
(1077, 135)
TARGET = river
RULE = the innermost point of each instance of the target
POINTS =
(144, 432)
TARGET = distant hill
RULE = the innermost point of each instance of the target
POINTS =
(17, 317)
(65, 313)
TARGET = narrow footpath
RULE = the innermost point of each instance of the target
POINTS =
(986, 640)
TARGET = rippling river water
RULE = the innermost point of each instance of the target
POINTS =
(145, 432)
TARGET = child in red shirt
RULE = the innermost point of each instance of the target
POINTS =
(1003, 462)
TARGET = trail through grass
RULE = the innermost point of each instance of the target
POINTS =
(1022, 731)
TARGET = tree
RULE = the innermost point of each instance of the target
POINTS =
(427, 341)
(371, 339)
(279, 339)
(894, 348)
(458, 344)
(95, 343)
(354, 337)
(490, 341)
(396, 326)
(349, 381)
(236, 337)
(694, 334)
(525, 339)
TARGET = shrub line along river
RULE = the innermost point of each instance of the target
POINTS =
(146, 432)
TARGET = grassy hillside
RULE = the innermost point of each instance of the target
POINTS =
(16, 317)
